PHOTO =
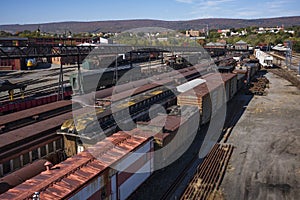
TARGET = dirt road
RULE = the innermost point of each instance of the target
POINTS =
(266, 161)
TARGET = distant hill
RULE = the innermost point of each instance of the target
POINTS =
(122, 25)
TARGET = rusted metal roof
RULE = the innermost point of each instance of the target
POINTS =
(25, 134)
(123, 91)
(131, 92)
(21, 175)
(32, 111)
(227, 76)
(239, 71)
(64, 179)
(169, 122)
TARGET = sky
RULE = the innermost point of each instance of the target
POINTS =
(38, 11)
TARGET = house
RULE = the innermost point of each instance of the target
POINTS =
(216, 45)
(241, 45)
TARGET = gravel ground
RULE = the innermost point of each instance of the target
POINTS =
(266, 161)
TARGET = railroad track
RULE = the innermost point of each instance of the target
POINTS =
(38, 91)
(40, 80)
(42, 89)
(180, 177)
(222, 158)
(287, 75)
(209, 174)
(21, 74)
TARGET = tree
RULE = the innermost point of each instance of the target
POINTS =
(296, 46)
(5, 34)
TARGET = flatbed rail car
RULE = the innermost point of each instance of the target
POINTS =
(137, 106)
(22, 118)
(22, 146)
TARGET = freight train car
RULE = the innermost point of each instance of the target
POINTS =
(87, 122)
(107, 61)
(109, 170)
(211, 95)
(173, 133)
(92, 80)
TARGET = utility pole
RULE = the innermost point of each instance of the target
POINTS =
(80, 88)
(116, 71)
(207, 30)
(61, 83)
(288, 55)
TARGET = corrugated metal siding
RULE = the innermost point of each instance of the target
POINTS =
(227, 88)
(126, 162)
(206, 109)
(133, 180)
(89, 190)
(240, 81)
(233, 86)
(114, 190)
(131, 184)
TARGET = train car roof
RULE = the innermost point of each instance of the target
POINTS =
(64, 179)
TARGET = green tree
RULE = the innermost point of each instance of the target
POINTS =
(296, 46)
(5, 34)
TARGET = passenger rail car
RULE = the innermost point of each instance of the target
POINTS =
(143, 97)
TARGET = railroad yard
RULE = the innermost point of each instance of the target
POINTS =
(51, 148)
(160, 100)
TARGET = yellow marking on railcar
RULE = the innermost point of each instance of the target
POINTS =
(125, 105)
(156, 92)
(67, 124)
(99, 110)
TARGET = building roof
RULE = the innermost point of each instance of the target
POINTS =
(280, 48)
(12, 39)
(214, 44)
(241, 42)
(64, 179)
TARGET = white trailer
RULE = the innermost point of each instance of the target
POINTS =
(265, 60)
